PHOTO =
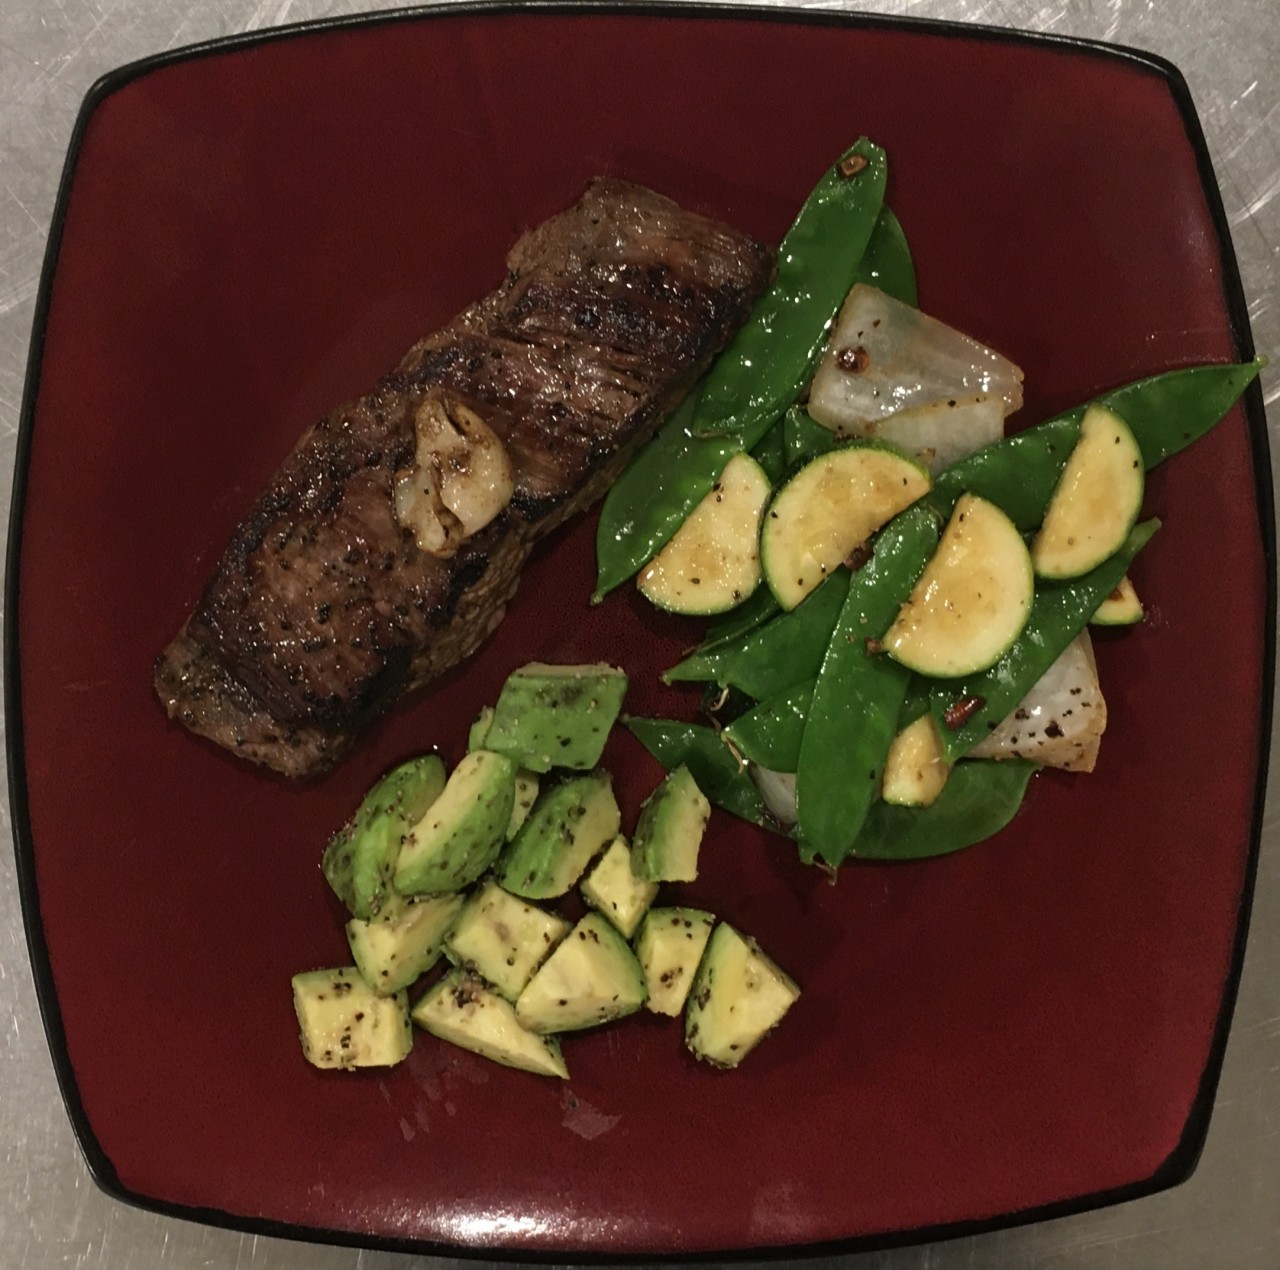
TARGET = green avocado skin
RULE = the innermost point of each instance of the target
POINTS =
(556, 716)
(568, 826)
(360, 860)
(669, 831)
(463, 830)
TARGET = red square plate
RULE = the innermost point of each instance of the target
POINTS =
(251, 231)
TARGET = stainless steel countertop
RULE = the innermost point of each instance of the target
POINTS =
(1227, 1216)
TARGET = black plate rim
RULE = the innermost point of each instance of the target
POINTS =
(1182, 1160)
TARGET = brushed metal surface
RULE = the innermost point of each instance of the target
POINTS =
(1227, 1216)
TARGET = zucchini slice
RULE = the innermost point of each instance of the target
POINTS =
(833, 504)
(1121, 608)
(713, 562)
(915, 771)
(1096, 501)
(972, 600)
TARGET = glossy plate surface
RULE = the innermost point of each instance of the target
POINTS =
(255, 233)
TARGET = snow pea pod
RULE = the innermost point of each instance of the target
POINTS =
(719, 775)
(770, 452)
(651, 499)
(1166, 413)
(887, 263)
(804, 437)
(1058, 614)
(853, 715)
(769, 734)
(753, 612)
(775, 656)
(767, 363)
(1017, 474)
(978, 800)
(915, 705)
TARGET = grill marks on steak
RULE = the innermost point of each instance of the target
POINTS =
(322, 610)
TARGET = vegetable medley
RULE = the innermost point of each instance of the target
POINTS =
(900, 593)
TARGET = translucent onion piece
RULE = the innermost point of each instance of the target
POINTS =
(1061, 720)
(943, 431)
(883, 357)
(778, 789)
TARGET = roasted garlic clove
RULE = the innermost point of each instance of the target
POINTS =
(461, 478)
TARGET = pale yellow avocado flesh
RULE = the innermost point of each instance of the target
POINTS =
(613, 889)
(738, 997)
(462, 1011)
(1096, 501)
(591, 978)
(915, 771)
(503, 938)
(403, 942)
(830, 507)
(344, 1023)
(972, 600)
(670, 945)
(713, 561)
(670, 829)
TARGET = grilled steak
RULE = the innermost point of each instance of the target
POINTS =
(361, 572)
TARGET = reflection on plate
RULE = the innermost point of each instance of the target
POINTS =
(256, 230)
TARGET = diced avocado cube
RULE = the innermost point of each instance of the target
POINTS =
(360, 860)
(738, 997)
(569, 824)
(526, 781)
(669, 831)
(404, 942)
(525, 796)
(592, 977)
(502, 939)
(613, 889)
(479, 730)
(670, 946)
(462, 831)
(461, 1010)
(556, 716)
(345, 1023)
